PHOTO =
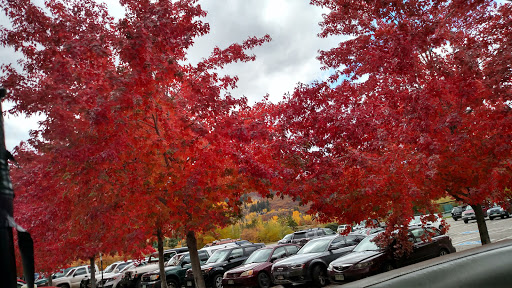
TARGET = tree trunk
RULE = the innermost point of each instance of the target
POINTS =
(93, 273)
(482, 226)
(194, 259)
(160, 239)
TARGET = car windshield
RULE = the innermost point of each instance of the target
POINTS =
(259, 256)
(468, 208)
(218, 256)
(123, 265)
(175, 260)
(129, 266)
(287, 237)
(415, 221)
(110, 268)
(367, 244)
(315, 246)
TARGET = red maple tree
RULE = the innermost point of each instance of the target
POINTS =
(417, 108)
(137, 143)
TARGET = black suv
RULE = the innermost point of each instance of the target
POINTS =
(457, 212)
(311, 262)
(221, 261)
(302, 237)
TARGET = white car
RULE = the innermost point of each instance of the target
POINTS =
(416, 221)
(74, 277)
(110, 280)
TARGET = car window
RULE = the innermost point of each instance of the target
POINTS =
(320, 233)
(279, 253)
(237, 253)
(367, 244)
(328, 231)
(315, 246)
(168, 256)
(259, 256)
(311, 234)
(203, 256)
(288, 237)
(352, 240)
(292, 249)
(299, 235)
(417, 233)
(80, 271)
(249, 250)
(218, 256)
(338, 242)
(432, 232)
(122, 265)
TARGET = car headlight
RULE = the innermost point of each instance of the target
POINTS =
(297, 266)
(154, 277)
(206, 270)
(247, 273)
(363, 265)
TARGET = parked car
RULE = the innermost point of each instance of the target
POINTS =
(497, 211)
(256, 270)
(457, 212)
(110, 277)
(451, 270)
(286, 239)
(416, 221)
(469, 214)
(221, 261)
(132, 277)
(74, 277)
(174, 271)
(310, 263)
(371, 223)
(303, 236)
(368, 259)
(343, 227)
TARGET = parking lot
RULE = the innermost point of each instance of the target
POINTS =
(466, 236)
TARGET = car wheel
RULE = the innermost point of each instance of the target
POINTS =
(490, 218)
(455, 218)
(172, 283)
(443, 252)
(217, 281)
(387, 267)
(319, 276)
(63, 286)
(264, 280)
(466, 221)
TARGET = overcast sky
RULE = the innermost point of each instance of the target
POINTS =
(288, 59)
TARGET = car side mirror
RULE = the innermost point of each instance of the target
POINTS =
(116, 270)
(331, 248)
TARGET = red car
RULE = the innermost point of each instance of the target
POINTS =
(255, 271)
(368, 259)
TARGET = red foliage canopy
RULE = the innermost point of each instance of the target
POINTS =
(417, 108)
(135, 139)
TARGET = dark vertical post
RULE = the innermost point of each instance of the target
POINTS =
(7, 260)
